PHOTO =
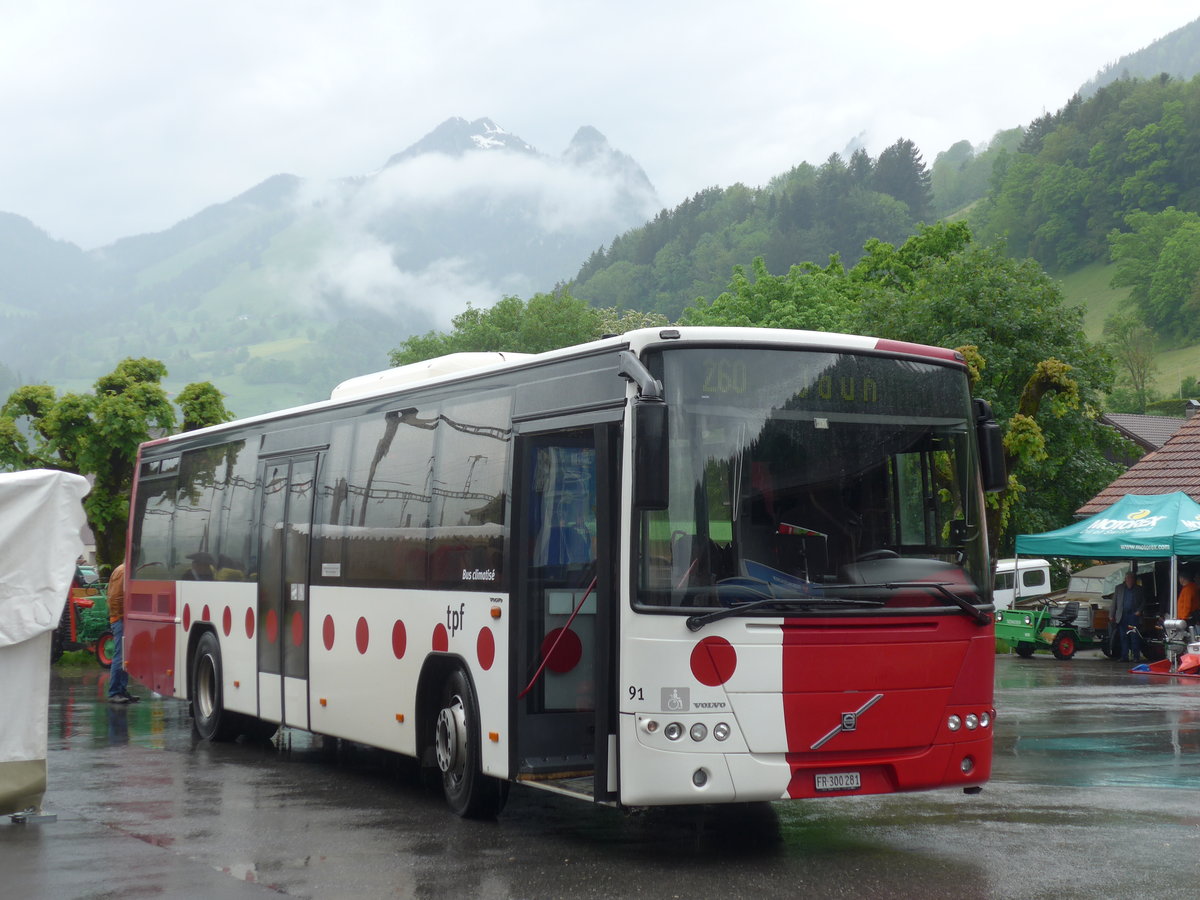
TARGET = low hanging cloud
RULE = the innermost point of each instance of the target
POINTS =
(424, 238)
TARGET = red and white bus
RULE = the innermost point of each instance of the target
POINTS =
(683, 565)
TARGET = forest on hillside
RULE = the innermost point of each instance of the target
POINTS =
(1112, 178)
(807, 213)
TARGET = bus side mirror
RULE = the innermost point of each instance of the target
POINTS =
(991, 448)
(651, 455)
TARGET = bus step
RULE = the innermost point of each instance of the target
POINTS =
(571, 786)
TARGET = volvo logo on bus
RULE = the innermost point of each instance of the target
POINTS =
(849, 722)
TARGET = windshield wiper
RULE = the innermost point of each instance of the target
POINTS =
(695, 623)
(980, 617)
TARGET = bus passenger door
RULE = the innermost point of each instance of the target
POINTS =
(285, 525)
(564, 509)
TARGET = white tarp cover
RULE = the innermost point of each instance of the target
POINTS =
(41, 518)
(41, 521)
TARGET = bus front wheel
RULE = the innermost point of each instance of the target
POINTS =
(209, 717)
(468, 791)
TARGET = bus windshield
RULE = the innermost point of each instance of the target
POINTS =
(817, 479)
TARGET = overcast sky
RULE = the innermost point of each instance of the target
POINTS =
(122, 117)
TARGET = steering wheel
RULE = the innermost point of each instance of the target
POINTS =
(878, 554)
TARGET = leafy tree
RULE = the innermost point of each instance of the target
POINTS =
(900, 172)
(1028, 351)
(97, 434)
(202, 405)
(808, 297)
(545, 322)
(1159, 260)
(1044, 379)
(1133, 346)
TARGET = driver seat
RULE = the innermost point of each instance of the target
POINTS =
(1069, 613)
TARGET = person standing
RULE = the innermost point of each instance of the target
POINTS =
(1189, 595)
(1128, 600)
(118, 678)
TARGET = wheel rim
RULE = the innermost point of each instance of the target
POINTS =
(450, 738)
(205, 687)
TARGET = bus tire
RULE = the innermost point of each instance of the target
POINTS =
(209, 717)
(468, 792)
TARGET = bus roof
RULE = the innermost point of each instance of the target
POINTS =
(454, 366)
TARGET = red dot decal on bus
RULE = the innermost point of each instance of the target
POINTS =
(399, 639)
(297, 629)
(713, 661)
(441, 640)
(250, 623)
(327, 632)
(187, 617)
(485, 647)
(362, 635)
(272, 626)
(562, 650)
(207, 617)
(227, 621)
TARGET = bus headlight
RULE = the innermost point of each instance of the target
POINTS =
(984, 720)
(721, 731)
(699, 732)
(972, 722)
(674, 731)
(954, 723)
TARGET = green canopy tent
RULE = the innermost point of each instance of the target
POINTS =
(1138, 526)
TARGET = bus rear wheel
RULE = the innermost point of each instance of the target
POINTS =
(209, 717)
(469, 792)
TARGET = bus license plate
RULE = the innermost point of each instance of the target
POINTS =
(839, 781)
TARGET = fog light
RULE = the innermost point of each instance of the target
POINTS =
(699, 778)
(985, 720)
(967, 765)
(721, 731)
(651, 726)
(674, 731)
(954, 723)
(972, 722)
(699, 732)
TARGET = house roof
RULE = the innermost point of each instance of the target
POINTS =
(1149, 432)
(1173, 467)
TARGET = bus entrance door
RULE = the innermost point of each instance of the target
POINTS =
(284, 527)
(563, 609)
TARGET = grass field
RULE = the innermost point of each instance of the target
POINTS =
(1089, 287)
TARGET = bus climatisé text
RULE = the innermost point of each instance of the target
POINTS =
(692, 565)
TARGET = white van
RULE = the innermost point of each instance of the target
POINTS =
(1018, 578)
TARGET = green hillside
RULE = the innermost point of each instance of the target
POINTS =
(1090, 288)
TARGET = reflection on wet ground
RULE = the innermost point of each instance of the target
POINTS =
(1093, 794)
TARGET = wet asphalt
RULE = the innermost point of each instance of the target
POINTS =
(1095, 793)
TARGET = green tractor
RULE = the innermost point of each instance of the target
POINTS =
(84, 623)
(1061, 626)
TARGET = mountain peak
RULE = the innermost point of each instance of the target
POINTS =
(457, 136)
